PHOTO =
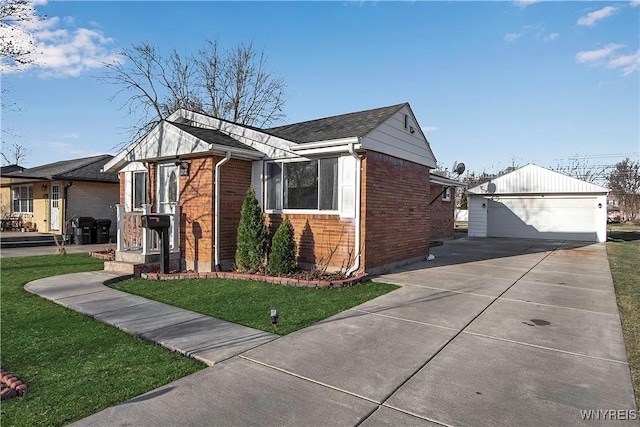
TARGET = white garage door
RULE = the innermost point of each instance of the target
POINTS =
(566, 218)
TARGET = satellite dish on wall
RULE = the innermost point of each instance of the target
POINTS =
(458, 168)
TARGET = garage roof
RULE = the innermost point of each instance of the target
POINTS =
(533, 179)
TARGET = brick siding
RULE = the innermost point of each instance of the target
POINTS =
(197, 204)
(396, 214)
(322, 240)
(442, 213)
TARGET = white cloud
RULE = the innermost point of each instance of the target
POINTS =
(634, 3)
(511, 37)
(590, 19)
(430, 128)
(629, 63)
(598, 54)
(608, 57)
(524, 3)
(534, 31)
(551, 37)
(73, 135)
(61, 49)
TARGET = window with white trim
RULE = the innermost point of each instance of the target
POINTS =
(139, 189)
(309, 185)
(22, 199)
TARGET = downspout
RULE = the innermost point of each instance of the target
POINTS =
(356, 266)
(216, 230)
(65, 194)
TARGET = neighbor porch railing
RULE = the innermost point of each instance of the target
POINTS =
(133, 237)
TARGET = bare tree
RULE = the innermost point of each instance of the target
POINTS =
(16, 154)
(624, 182)
(234, 84)
(583, 170)
(16, 43)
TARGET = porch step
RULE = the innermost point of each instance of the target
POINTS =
(27, 240)
(124, 267)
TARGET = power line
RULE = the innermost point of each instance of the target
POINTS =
(598, 156)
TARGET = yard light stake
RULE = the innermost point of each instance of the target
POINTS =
(274, 317)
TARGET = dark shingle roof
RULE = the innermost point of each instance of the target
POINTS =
(9, 169)
(335, 127)
(85, 169)
(213, 136)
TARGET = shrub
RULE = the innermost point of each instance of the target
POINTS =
(252, 235)
(282, 259)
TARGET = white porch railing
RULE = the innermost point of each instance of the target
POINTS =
(133, 237)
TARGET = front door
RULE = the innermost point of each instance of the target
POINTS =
(167, 187)
(54, 219)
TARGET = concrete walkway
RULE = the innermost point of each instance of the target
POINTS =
(51, 250)
(192, 334)
(492, 332)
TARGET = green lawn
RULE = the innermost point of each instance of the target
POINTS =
(249, 303)
(625, 269)
(73, 365)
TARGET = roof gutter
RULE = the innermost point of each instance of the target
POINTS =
(356, 266)
(341, 145)
(217, 210)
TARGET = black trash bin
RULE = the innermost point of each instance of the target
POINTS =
(102, 230)
(82, 227)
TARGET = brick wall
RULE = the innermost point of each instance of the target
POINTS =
(322, 240)
(197, 204)
(122, 190)
(236, 180)
(442, 213)
(196, 208)
(396, 214)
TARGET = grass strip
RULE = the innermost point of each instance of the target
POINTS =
(249, 303)
(625, 269)
(74, 366)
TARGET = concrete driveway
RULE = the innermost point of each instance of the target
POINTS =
(492, 332)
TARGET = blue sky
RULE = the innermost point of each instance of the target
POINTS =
(491, 83)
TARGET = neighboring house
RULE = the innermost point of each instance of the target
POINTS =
(49, 195)
(355, 187)
(534, 202)
(443, 206)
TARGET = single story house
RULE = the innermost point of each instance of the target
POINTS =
(356, 187)
(538, 203)
(50, 195)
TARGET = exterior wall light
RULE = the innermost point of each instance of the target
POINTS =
(184, 167)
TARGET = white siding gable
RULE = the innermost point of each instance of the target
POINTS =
(273, 147)
(393, 138)
(532, 179)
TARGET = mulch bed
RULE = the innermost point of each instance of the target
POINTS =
(109, 255)
(301, 278)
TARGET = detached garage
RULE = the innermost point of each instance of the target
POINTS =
(536, 203)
